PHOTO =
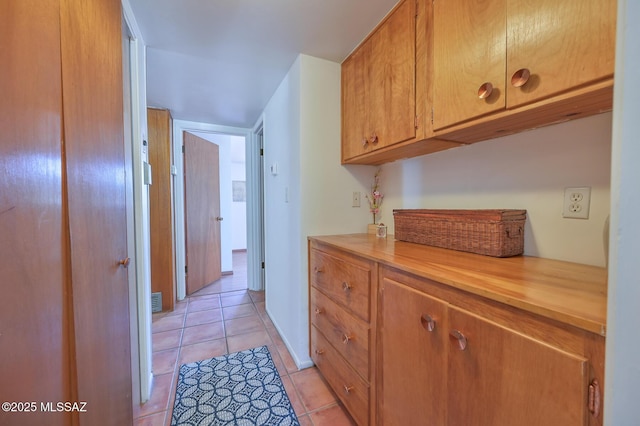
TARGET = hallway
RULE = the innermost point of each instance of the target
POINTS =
(222, 318)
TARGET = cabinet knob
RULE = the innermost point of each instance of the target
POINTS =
(459, 337)
(319, 351)
(427, 322)
(346, 286)
(374, 138)
(485, 90)
(347, 389)
(520, 77)
(365, 142)
(319, 311)
(318, 269)
(124, 262)
(346, 339)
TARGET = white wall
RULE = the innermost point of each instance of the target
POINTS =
(310, 194)
(525, 171)
(622, 369)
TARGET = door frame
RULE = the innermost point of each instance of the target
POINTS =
(180, 126)
(255, 208)
(138, 237)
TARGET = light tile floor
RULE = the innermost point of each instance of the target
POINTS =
(221, 318)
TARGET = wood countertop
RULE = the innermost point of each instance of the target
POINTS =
(568, 292)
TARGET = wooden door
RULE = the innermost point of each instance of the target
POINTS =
(160, 206)
(96, 175)
(469, 45)
(412, 367)
(504, 378)
(202, 212)
(563, 44)
(392, 91)
(34, 335)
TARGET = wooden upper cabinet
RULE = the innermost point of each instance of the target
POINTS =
(354, 109)
(563, 44)
(378, 86)
(497, 54)
(469, 48)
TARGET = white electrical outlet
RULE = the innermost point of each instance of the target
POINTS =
(576, 202)
(355, 201)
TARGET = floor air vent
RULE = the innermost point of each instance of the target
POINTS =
(156, 302)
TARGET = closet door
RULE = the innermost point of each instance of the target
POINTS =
(95, 167)
(34, 335)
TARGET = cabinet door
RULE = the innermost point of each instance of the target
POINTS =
(355, 127)
(392, 97)
(503, 378)
(563, 45)
(412, 368)
(469, 54)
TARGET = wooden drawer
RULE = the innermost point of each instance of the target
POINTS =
(348, 335)
(350, 388)
(344, 282)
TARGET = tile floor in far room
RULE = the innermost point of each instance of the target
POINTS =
(222, 318)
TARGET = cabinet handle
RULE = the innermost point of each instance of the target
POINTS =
(485, 90)
(594, 398)
(318, 269)
(365, 142)
(319, 351)
(427, 322)
(520, 77)
(462, 341)
(346, 286)
(374, 138)
(346, 339)
(347, 389)
(319, 311)
(124, 262)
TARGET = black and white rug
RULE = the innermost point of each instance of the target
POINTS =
(242, 388)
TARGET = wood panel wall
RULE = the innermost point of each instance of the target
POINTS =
(159, 124)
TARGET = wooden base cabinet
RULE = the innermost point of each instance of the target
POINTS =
(341, 302)
(444, 364)
(407, 334)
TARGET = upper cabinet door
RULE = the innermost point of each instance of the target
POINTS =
(392, 83)
(469, 59)
(379, 86)
(561, 45)
(355, 74)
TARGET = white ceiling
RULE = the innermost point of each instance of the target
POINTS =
(220, 61)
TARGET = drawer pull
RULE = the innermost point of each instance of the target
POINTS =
(427, 322)
(319, 311)
(319, 351)
(374, 138)
(347, 389)
(365, 142)
(346, 286)
(459, 337)
(346, 339)
(318, 269)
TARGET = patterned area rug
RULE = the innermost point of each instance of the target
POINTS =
(242, 388)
